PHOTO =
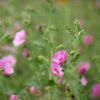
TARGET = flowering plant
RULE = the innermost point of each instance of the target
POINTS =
(46, 60)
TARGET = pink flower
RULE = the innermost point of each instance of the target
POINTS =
(88, 39)
(83, 81)
(60, 57)
(20, 38)
(57, 70)
(96, 90)
(7, 63)
(25, 53)
(8, 69)
(10, 59)
(83, 67)
(13, 97)
(32, 90)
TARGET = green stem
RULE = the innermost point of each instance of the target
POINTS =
(4, 37)
(2, 87)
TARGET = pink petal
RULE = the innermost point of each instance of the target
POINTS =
(10, 59)
(13, 97)
(32, 90)
(8, 69)
(20, 38)
(83, 81)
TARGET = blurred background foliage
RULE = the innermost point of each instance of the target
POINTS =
(29, 14)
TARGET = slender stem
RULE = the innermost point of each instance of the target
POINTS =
(3, 37)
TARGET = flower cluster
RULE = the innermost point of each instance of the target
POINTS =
(83, 68)
(8, 62)
(58, 59)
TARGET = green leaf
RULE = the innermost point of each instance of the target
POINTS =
(51, 83)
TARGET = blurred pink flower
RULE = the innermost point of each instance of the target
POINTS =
(60, 57)
(20, 38)
(25, 53)
(8, 48)
(8, 69)
(88, 39)
(83, 81)
(96, 90)
(84, 67)
(32, 90)
(7, 63)
(57, 70)
(9, 59)
(13, 97)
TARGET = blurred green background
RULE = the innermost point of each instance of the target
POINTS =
(30, 13)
